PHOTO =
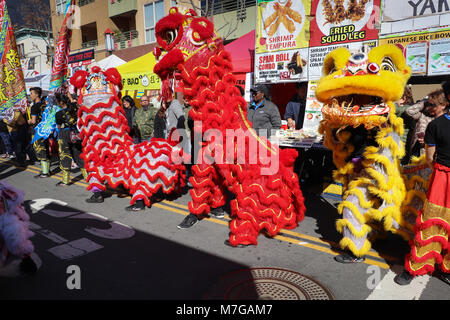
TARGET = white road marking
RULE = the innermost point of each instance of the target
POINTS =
(387, 289)
(75, 249)
(39, 204)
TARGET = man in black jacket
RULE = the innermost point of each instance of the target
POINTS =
(295, 109)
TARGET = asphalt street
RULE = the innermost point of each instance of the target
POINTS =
(143, 255)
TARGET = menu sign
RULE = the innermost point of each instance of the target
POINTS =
(342, 21)
(289, 65)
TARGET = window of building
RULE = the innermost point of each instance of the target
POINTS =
(223, 6)
(60, 6)
(21, 50)
(32, 63)
(152, 13)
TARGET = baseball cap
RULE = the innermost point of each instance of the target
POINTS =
(260, 88)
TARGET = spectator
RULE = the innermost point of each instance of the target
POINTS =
(446, 88)
(431, 230)
(6, 139)
(69, 145)
(130, 109)
(409, 124)
(160, 122)
(144, 120)
(175, 114)
(40, 146)
(295, 109)
(424, 112)
(263, 113)
(18, 131)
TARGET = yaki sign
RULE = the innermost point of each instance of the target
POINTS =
(343, 21)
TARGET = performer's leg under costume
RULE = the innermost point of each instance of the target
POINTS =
(353, 225)
(76, 150)
(41, 148)
(65, 158)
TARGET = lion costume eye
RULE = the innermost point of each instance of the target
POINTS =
(388, 65)
(195, 38)
(170, 35)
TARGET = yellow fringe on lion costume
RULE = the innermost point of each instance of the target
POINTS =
(361, 128)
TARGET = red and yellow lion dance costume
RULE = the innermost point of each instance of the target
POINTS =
(109, 154)
(192, 50)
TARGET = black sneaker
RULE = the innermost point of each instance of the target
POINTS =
(404, 278)
(227, 243)
(137, 206)
(218, 213)
(96, 198)
(444, 277)
(348, 258)
(42, 175)
(28, 265)
(188, 222)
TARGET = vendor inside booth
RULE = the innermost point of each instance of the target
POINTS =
(301, 114)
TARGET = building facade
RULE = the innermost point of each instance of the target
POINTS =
(34, 51)
(132, 21)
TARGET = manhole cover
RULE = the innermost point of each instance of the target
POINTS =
(269, 284)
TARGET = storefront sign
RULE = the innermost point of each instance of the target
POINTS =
(415, 47)
(439, 57)
(81, 56)
(140, 81)
(405, 9)
(282, 66)
(343, 21)
(313, 111)
(282, 25)
(317, 55)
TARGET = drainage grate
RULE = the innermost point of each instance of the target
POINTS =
(269, 284)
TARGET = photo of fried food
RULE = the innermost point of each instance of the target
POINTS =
(356, 10)
(338, 13)
(283, 15)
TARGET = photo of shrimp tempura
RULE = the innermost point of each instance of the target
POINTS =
(283, 15)
(294, 15)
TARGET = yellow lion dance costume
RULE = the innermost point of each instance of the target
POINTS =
(361, 128)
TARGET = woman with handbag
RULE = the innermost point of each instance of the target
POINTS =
(69, 141)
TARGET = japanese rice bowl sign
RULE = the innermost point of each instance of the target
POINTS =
(282, 40)
(343, 21)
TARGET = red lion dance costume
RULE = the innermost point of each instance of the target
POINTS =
(109, 152)
(192, 50)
